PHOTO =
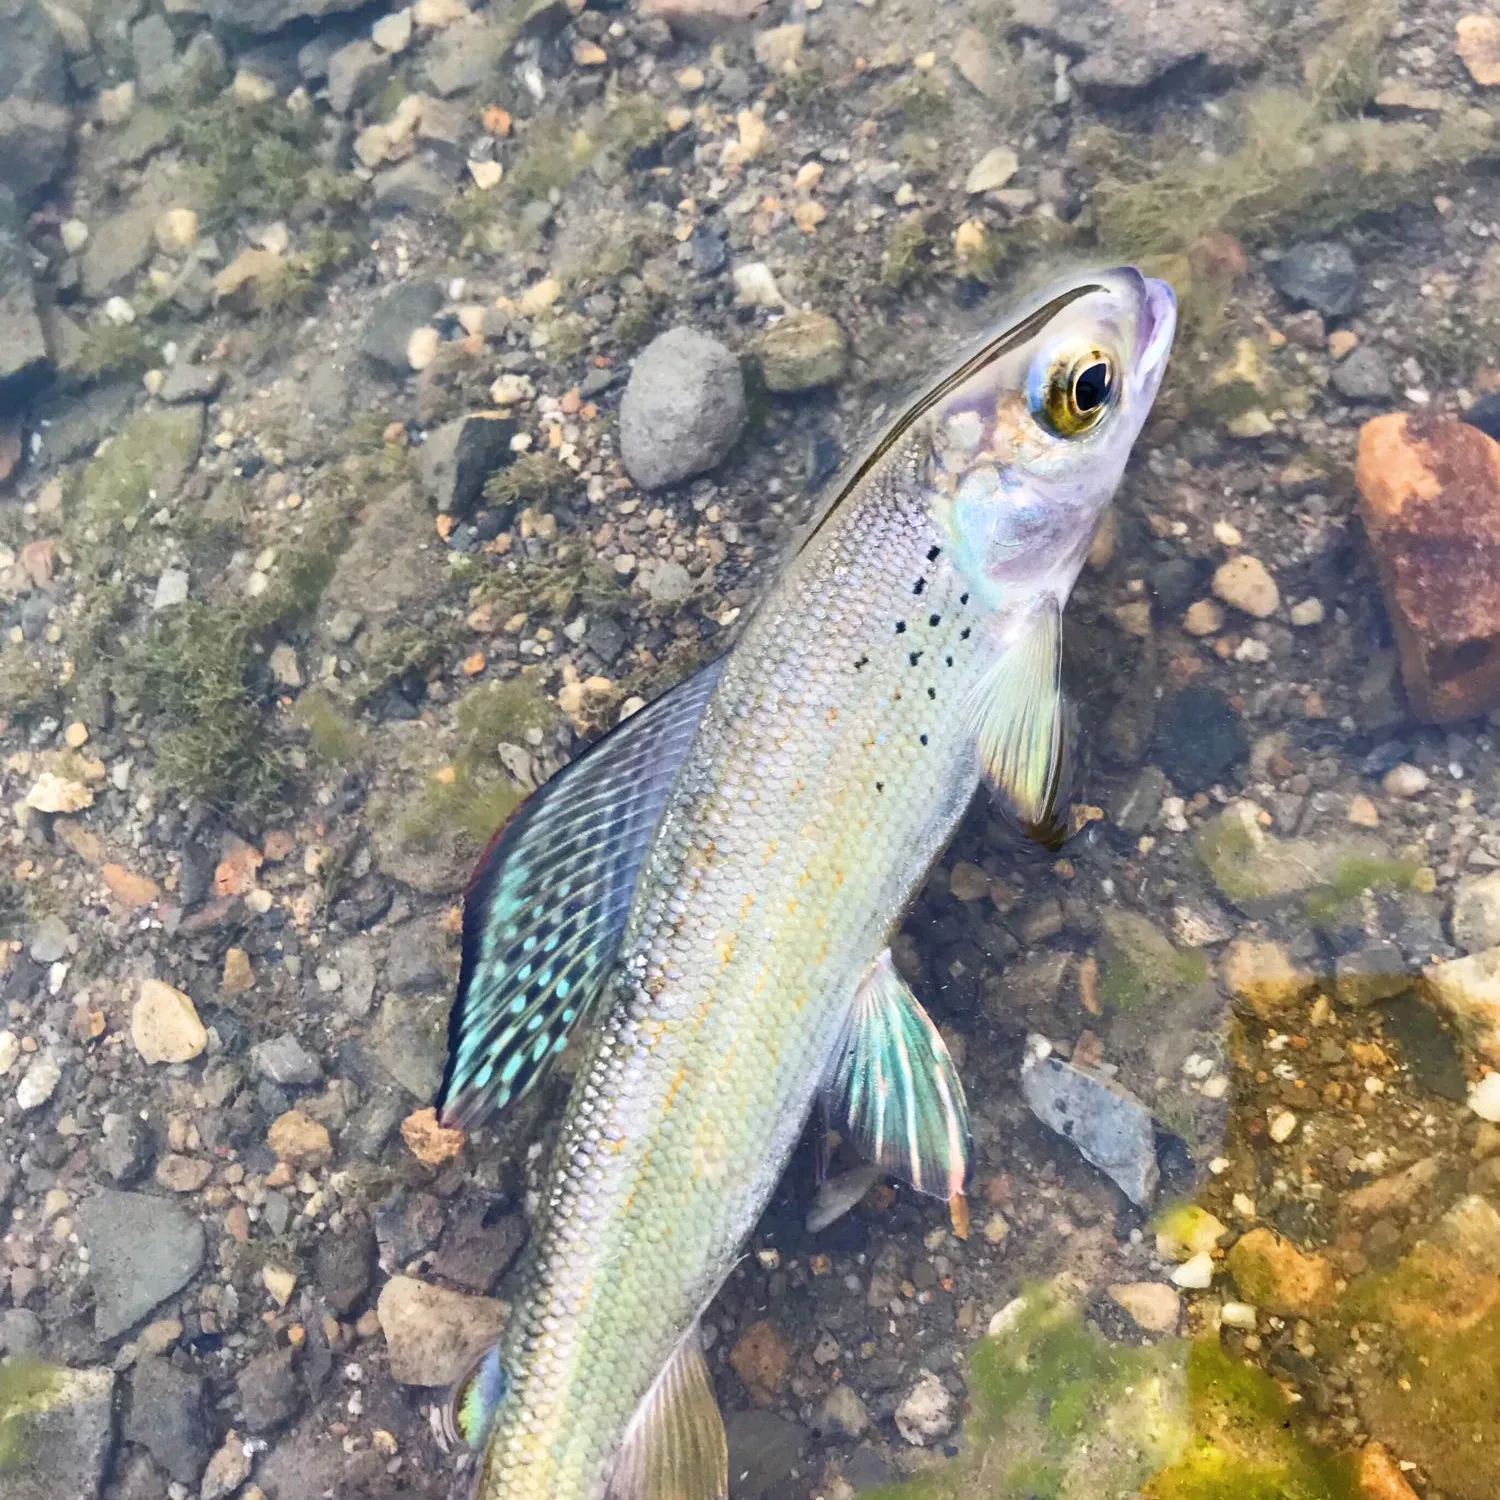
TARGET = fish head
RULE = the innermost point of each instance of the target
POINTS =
(1031, 435)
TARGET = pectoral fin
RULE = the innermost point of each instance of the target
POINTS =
(546, 910)
(896, 1087)
(1019, 721)
(469, 1411)
(675, 1448)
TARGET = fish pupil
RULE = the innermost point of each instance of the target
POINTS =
(1091, 388)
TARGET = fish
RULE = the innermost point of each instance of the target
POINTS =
(705, 897)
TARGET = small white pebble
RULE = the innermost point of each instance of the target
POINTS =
(1307, 612)
(1484, 1098)
(1196, 1273)
(1282, 1126)
(1405, 780)
(1238, 1315)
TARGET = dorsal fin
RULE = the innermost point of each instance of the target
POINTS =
(546, 910)
(675, 1448)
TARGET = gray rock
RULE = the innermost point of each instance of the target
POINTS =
(413, 962)
(203, 68)
(460, 455)
(167, 1417)
(667, 583)
(763, 1451)
(683, 409)
(1106, 1122)
(66, 1434)
(1362, 376)
(398, 314)
(464, 57)
(345, 1265)
(266, 16)
(357, 72)
(35, 121)
(269, 1391)
(285, 1061)
(1320, 274)
(185, 382)
(1131, 46)
(843, 1413)
(1476, 913)
(153, 49)
(801, 352)
(374, 1122)
(124, 1150)
(49, 940)
(20, 1331)
(23, 345)
(411, 1040)
(118, 247)
(1376, 972)
(171, 589)
(1135, 804)
(413, 187)
(142, 1250)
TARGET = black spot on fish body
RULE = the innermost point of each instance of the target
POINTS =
(933, 553)
(914, 657)
(923, 738)
(963, 598)
(900, 627)
(948, 660)
(919, 585)
(932, 693)
(880, 786)
(934, 620)
(963, 634)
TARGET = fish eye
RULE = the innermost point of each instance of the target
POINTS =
(1077, 392)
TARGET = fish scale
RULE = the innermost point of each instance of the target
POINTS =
(750, 841)
(805, 815)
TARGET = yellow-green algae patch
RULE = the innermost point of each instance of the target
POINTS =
(27, 1386)
(1057, 1412)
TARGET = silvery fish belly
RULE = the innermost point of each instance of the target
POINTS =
(710, 891)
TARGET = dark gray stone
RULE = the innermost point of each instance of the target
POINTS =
(1320, 274)
(411, 1041)
(406, 1224)
(49, 940)
(344, 1266)
(167, 1418)
(475, 1253)
(1199, 739)
(1376, 972)
(1106, 1122)
(683, 409)
(1362, 376)
(357, 72)
(269, 1392)
(24, 360)
(460, 455)
(463, 58)
(185, 382)
(266, 16)
(20, 1331)
(413, 187)
(142, 1250)
(153, 49)
(285, 1061)
(35, 121)
(763, 1451)
(413, 961)
(125, 1151)
(1135, 804)
(398, 314)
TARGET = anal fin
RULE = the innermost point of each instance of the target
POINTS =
(896, 1087)
(675, 1447)
(1021, 725)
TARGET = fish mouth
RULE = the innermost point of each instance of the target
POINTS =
(1158, 324)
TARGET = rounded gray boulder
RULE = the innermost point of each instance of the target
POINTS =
(683, 409)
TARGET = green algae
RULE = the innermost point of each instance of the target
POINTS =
(531, 479)
(1350, 879)
(335, 737)
(1140, 966)
(907, 252)
(27, 1384)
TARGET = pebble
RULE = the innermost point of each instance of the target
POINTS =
(171, 589)
(1274, 1275)
(926, 1413)
(164, 1024)
(74, 234)
(1203, 617)
(238, 975)
(1405, 780)
(50, 940)
(285, 1061)
(431, 1334)
(1320, 274)
(755, 286)
(992, 171)
(1476, 913)
(1362, 812)
(1196, 1273)
(1477, 38)
(1262, 976)
(761, 1359)
(300, 1140)
(843, 1413)
(1152, 1305)
(802, 351)
(1244, 582)
(51, 793)
(38, 1083)
(1199, 739)
(1468, 989)
(683, 409)
(1188, 1230)
(1379, 1475)
(182, 1174)
(1283, 1126)
(280, 1283)
(227, 1470)
(10, 1050)
(427, 1140)
(1362, 376)
(392, 33)
(177, 231)
(1238, 1315)
(1484, 1098)
(1306, 613)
